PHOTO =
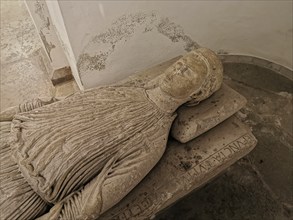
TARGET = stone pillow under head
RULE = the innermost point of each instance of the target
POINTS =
(192, 121)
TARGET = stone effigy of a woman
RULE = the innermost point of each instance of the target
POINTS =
(83, 154)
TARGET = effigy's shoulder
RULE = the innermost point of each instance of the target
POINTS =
(109, 93)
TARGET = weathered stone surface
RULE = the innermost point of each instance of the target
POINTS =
(220, 106)
(4, 128)
(7, 114)
(185, 167)
(259, 186)
(269, 113)
(13, 187)
(193, 120)
(86, 152)
(146, 78)
(61, 75)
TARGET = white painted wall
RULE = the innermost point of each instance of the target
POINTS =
(61, 31)
(110, 40)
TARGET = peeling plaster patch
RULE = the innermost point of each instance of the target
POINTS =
(124, 27)
(48, 24)
(48, 46)
(176, 33)
(96, 62)
(39, 10)
(122, 30)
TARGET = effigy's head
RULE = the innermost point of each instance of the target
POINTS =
(193, 77)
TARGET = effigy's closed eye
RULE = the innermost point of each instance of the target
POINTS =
(178, 65)
(189, 73)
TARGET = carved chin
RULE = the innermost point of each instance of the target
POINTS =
(178, 90)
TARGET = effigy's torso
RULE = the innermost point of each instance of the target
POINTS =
(62, 146)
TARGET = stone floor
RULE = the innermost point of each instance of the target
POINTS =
(258, 187)
(24, 66)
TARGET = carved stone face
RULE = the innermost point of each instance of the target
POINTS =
(184, 77)
(195, 76)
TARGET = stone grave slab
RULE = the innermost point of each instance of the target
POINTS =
(184, 168)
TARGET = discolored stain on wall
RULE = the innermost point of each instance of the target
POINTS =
(44, 29)
(48, 46)
(175, 33)
(97, 62)
(124, 27)
(122, 30)
(48, 23)
(40, 11)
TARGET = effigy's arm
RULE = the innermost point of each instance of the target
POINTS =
(8, 114)
(118, 177)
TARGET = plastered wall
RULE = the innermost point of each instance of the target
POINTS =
(110, 40)
(63, 36)
(43, 23)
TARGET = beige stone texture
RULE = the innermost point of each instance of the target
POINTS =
(66, 88)
(185, 167)
(191, 121)
(86, 152)
(25, 68)
(61, 75)
(220, 106)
